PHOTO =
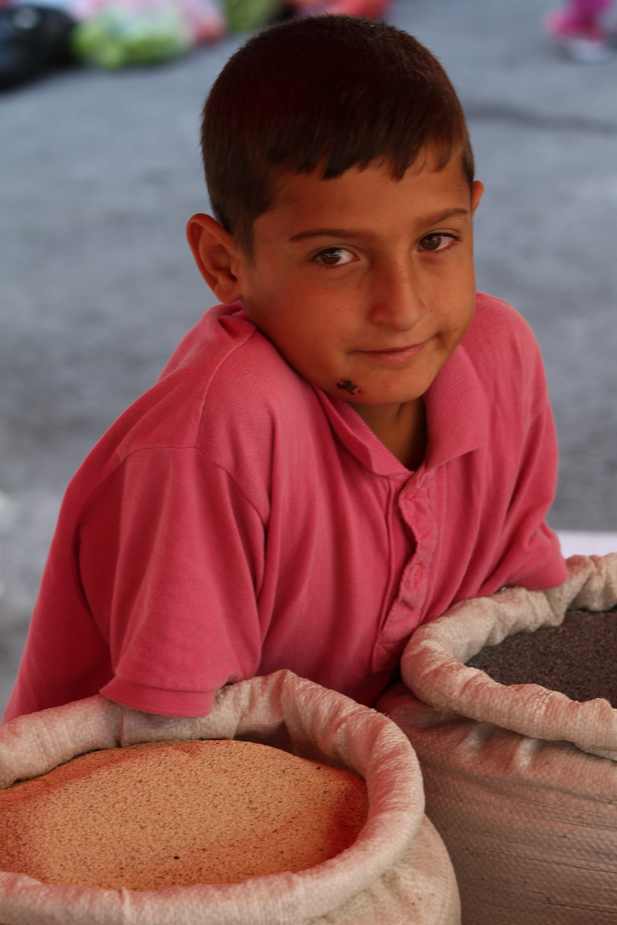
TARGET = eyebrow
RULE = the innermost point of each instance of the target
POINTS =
(424, 220)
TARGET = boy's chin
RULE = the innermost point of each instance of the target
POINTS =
(368, 399)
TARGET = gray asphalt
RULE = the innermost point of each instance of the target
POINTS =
(100, 171)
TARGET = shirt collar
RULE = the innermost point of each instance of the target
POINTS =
(456, 413)
(355, 434)
(457, 410)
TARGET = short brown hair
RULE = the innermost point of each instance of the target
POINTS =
(328, 91)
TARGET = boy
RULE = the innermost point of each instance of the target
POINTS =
(351, 442)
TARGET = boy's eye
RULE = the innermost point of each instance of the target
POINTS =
(438, 241)
(330, 257)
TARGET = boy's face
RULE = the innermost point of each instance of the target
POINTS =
(348, 267)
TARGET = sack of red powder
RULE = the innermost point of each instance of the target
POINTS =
(396, 870)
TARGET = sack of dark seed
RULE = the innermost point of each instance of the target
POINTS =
(510, 703)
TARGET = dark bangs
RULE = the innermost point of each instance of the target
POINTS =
(327, 92)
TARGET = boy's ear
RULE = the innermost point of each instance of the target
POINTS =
(477, 191)
(215, 254)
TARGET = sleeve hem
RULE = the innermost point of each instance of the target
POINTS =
(551, 576)
(186, 704)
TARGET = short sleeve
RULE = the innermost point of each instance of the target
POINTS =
(533, 556)
(171, 557)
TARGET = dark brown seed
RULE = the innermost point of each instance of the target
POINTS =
(578, 658)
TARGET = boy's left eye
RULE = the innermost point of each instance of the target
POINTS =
(438, 241)
(329, 257)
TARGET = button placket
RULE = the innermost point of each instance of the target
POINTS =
(418, 514)
(405, 614)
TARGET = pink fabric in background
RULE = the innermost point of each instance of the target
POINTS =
(585, 12)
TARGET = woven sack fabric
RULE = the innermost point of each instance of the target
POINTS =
(397, 871)
(520, 782)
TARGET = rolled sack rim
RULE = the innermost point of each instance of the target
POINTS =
(375, 747)
(433, 663)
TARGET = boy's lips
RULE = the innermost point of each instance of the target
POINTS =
(394, 356)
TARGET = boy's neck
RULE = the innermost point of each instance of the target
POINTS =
(403, 430)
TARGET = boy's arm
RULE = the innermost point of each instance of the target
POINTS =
(532, 556)
(176, 597)
(152, 598)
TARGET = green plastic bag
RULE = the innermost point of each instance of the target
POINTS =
(119, 38)
(244, 15)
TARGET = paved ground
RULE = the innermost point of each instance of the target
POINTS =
(99, 173)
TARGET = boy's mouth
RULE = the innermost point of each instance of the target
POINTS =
(395, 349)
(396, 356)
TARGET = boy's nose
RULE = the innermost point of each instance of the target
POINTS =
(397, 298)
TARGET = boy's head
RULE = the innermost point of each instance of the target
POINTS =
(327, 92)
(334, 123)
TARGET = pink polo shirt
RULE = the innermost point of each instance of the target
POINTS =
(236, 520)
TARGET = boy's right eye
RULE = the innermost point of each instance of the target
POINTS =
(328, 257)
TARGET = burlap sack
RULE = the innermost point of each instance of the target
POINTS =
(396, 872)
(512, 774)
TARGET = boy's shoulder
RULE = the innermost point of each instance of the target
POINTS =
(497, 322)
(500, 341)
(505, 355)
(218, 402)
(224, 377)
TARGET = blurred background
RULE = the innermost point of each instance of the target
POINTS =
(101, 168)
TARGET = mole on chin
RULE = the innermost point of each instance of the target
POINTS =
(348, 386)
